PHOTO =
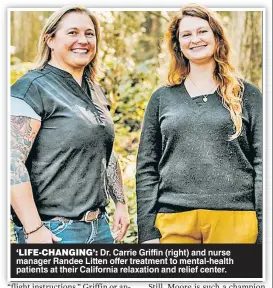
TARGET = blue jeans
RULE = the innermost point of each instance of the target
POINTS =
(95, 232)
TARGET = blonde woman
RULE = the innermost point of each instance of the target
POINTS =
(62, 136)
(199, 166)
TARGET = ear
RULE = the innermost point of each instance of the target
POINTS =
(49, 41)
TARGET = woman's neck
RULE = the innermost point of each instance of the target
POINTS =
(202, 74)
(76, 73)
(200, 80)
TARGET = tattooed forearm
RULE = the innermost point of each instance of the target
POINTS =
(22, 138)
(114, 178)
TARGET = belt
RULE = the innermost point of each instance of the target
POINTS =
(88, 216)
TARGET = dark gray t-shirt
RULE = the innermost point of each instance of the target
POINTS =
(68, 160)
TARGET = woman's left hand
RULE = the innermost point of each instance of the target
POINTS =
(121, 221)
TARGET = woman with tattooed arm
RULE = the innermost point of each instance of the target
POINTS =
(62, 133)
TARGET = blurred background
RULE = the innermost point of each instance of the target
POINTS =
(134, 63)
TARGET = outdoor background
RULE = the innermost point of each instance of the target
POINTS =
(134, 63)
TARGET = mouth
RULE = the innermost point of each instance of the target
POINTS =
(80, 51)
(198, 47)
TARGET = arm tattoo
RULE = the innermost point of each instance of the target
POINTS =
(22, 138)
(114, 180)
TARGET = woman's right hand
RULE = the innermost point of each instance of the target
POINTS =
(152, 241)
(43, 235)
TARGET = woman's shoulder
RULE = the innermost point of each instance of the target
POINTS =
(252, 97)
(250, 88)
(100, 93)
(164, 91)
(22, 85)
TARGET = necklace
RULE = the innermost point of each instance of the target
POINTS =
(205, 97)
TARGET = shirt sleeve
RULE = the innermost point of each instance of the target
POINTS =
(253, 103)
(28, 89)
(19, 107)
(147, 174)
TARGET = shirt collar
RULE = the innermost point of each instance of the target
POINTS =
(66, 74)
(57, 71)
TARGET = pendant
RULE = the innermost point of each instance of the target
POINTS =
(205, 99)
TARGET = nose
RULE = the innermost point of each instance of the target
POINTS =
(195, 39)
(82, 39)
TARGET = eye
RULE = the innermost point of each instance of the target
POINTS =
(72, 33)
(90, 34)
(185, 35)
(202, 31)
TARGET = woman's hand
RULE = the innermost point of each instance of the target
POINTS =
(121, 221)
(152, 241)
(43, 235)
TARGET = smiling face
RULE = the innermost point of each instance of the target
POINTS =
(197, 41)
(74, 45)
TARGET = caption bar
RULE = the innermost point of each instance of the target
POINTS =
(127, 261)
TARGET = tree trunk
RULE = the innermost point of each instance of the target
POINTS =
(26, 27)
(246, 41)
(251, 48)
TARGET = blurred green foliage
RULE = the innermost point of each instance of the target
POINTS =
(130, 52)
(129, 77)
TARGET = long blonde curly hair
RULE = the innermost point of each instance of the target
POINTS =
(50, 29)
(230, 81)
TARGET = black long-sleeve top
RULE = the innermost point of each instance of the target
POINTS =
(186, 161)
